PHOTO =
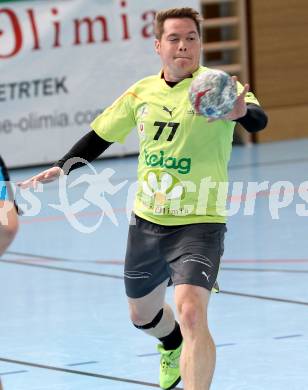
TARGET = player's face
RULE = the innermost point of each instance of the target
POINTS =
(179, 48)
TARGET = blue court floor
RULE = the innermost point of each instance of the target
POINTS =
(64, 322)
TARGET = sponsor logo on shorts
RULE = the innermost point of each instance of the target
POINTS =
(206, 275)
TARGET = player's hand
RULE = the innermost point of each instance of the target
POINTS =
(240, 106)
(46, 176)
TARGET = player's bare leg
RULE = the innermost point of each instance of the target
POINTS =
(199, 353)
(152, 315)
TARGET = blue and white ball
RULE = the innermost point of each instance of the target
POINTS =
(213, 93)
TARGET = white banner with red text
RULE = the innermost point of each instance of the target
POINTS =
(62, 62)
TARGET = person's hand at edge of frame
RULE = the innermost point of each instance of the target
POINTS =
(240, 108)
(46, 176)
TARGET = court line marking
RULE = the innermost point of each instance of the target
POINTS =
(121, 262)
(82, 363)
(12, 373)
(225, 345)
(282, 300)
(266, 163)
(265, 261)
(84, 373)
(157, 353)
(264, 270)
(288, 337)
(18, 262)
(42, 257)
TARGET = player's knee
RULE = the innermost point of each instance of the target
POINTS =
(142, 323)
(192, 302)
(189, 315)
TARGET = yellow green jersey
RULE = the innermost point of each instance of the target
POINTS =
(183, 159)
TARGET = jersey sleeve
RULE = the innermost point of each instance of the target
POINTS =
(250, 97)
(116, 122)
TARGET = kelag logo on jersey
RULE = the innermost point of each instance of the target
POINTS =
(182, 165)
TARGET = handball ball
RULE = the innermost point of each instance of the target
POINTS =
(213, 93)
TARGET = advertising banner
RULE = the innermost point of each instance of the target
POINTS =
(62, 63)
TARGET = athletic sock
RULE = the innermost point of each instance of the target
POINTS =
(173, 340)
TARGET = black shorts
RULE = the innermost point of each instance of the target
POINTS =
(186, 254)
(4, 180)
(6, 192)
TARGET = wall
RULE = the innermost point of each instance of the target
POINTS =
(279, 65)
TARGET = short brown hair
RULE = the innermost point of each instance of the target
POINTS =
(172, 13)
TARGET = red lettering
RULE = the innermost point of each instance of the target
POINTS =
(86, 30)
(56, 42)
(89, 22)
(124, 23)
(17, 33)
(148, 29)
(36, 42)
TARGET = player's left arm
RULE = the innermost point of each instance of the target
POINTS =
(255, 118)
(247, 111)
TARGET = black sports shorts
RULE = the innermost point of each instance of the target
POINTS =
(4, 179)
(185, 254)
(6, 192)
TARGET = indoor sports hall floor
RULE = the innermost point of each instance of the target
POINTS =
(64, 322)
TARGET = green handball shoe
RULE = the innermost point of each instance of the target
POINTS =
(169, 375)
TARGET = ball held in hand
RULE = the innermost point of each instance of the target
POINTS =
(213, 93)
